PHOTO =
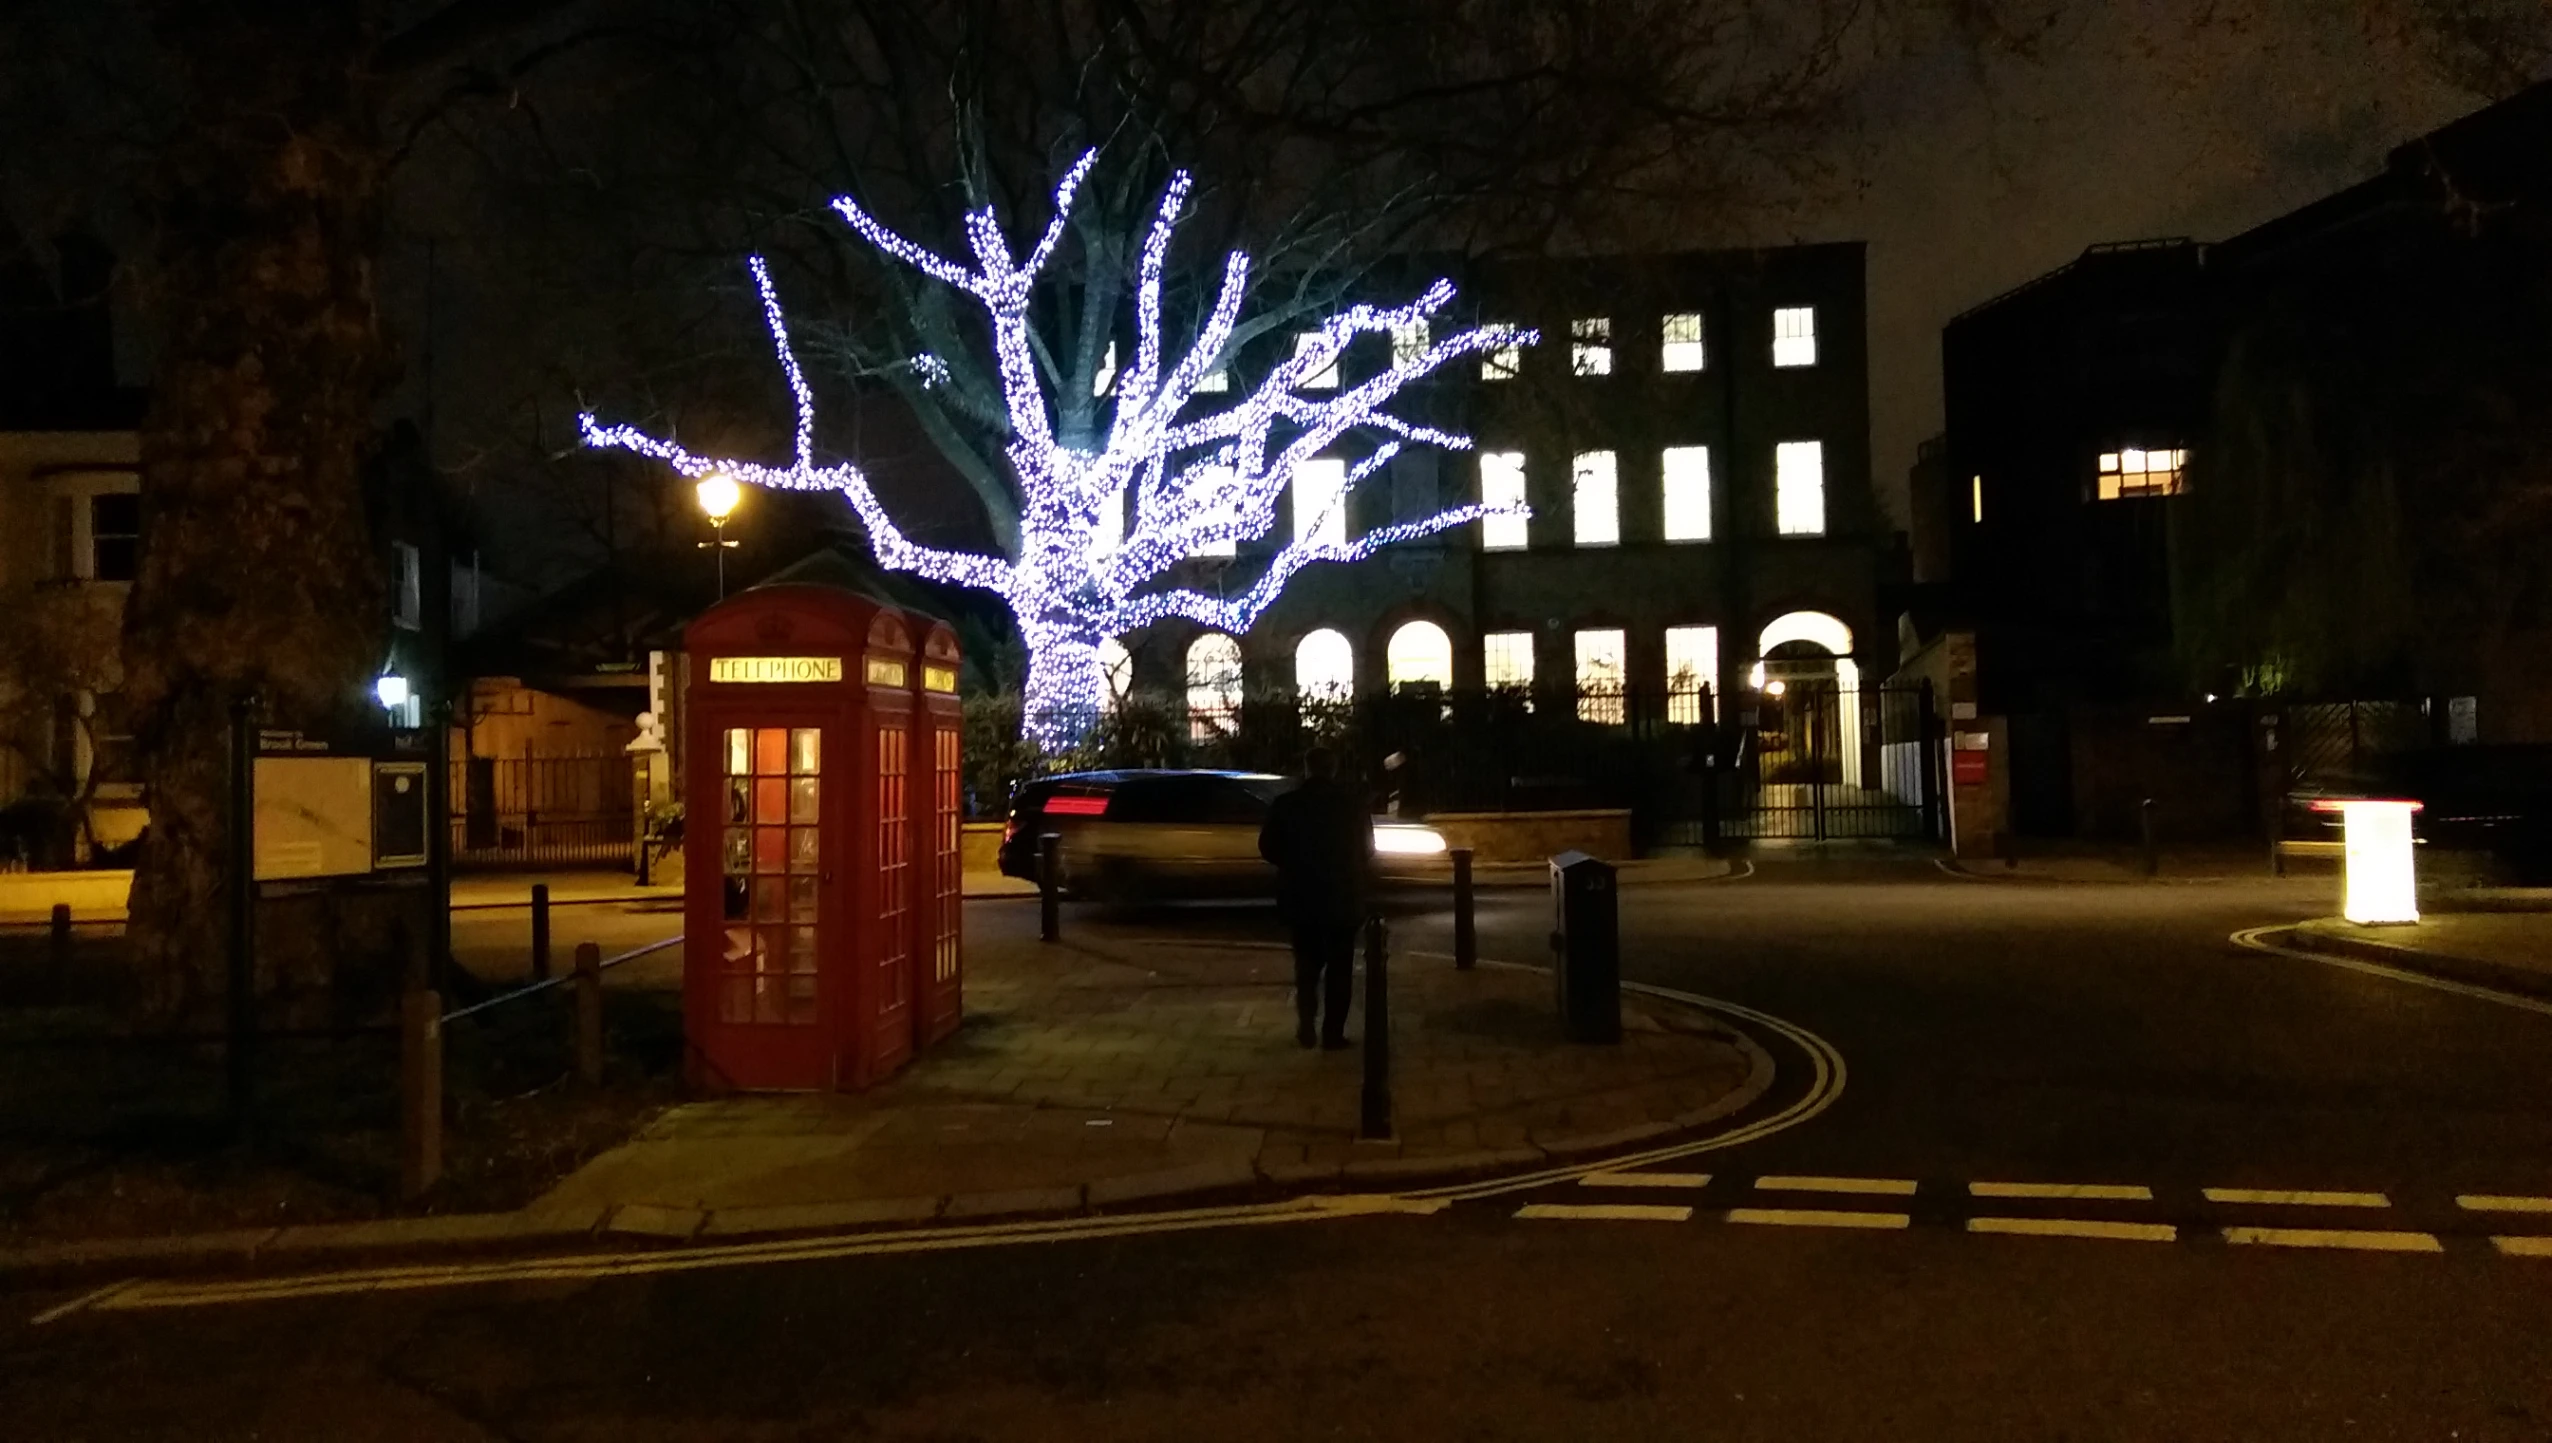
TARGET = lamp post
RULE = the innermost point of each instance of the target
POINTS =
(719, 493)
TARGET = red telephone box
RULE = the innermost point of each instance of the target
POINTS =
(808, 807)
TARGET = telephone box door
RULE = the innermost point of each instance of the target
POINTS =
(776, 917)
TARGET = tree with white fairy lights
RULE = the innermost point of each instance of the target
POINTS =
(1101, 525)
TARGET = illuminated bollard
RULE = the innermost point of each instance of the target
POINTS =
(2381, 883)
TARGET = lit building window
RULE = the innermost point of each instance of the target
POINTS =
(1976, 500)
(1682, 347)
(1408, 341)
(1217, 380)
(1692, 674)
(1687, 473)
(1320, 501)
(1508, 659)
(1794, 336)
(1213, 481)
(1590, 351)
(1602, 668)
(1324, 379)
(1596, 499)
(1105, 377)
(1116, 664)
(1324, 667)
(2131, 473)
(1502, 484)
(1798, 488)
(1109, 532)
(407, 580)
(1419, 654)
(1504, 363)
(1213, 685)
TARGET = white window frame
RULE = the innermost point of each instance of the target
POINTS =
(1590, 346)
(1679, 346)
(1409, 341)
(1324, 379)
(78, 491)
(1693, 650)
(407, 586)
(1503, 363)
(1602, 673)
(1404, 664)
(1794, 336)
(2135, 473)
(1213, 697)
(1684, 489)
(1595, 499)
(1320, 481)
(1798, 488)
(1506, 659)
(1502, 484)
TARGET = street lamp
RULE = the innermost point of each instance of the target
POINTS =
(719, 494)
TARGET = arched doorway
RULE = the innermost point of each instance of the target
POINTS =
(1213, 686)
(1419, 654)
(1809, 653)
(1325, 666)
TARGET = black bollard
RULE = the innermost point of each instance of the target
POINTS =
(1466, 931)
(60, 950)
(1377, 1091)
(1049, 887)
(540, 931)
(2144, 822)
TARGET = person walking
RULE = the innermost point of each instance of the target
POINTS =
(1320, 841)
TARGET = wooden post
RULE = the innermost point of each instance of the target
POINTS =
(1466, 931)
(540, 931)
(420, 1090)
(589, 1013)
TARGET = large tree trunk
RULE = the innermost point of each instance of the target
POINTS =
(258, 569)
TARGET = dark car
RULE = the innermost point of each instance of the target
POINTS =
(1130, 835)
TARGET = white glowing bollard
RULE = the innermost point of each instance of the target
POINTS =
(2381, 883)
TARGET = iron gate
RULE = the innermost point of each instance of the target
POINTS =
(543, 810)
(1822, 764)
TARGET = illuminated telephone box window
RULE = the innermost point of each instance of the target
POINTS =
(821, 893)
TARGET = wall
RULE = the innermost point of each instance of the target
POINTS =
(509, 719)
(1535, 836)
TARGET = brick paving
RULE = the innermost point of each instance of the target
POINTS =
(1097, 1072)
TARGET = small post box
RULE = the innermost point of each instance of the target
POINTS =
(805, 797)
(1586, 947)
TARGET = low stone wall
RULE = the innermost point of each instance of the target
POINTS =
(1534, 836)
(979, 846)
(93, 896)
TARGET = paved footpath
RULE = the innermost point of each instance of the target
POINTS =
(1104, 1072)
(1092, 1073)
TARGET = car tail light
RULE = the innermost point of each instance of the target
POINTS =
(1076, 806)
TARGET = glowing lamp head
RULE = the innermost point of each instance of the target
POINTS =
(1402, 840)
(392, 690)
(1775, 687)
(719, 495)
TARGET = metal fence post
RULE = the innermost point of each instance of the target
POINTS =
(589, 1013)
(420, 1090)
(2144, 822)
(1049, 883)
(1466, 931)
(1377, 1090)
(540, 931)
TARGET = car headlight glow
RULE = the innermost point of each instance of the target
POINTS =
(1407, 841)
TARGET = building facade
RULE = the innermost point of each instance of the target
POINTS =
(1692, 437)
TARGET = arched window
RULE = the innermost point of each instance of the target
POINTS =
(1324, 667)
(1213, 685)
(1419, 653)
(1117, 665)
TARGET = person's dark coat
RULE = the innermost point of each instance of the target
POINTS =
(1320, 841)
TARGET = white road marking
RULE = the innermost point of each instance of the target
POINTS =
(1867, 1186)
(2526, 1247)
(2270, 1197)
(2362, 1240)
(1817, 1218)
(1645, 1179)
(2076, 1228)
(2066, 1191)
(85, 1300)
(2492, 1202)
(1607, 1212)
(2250, 937)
